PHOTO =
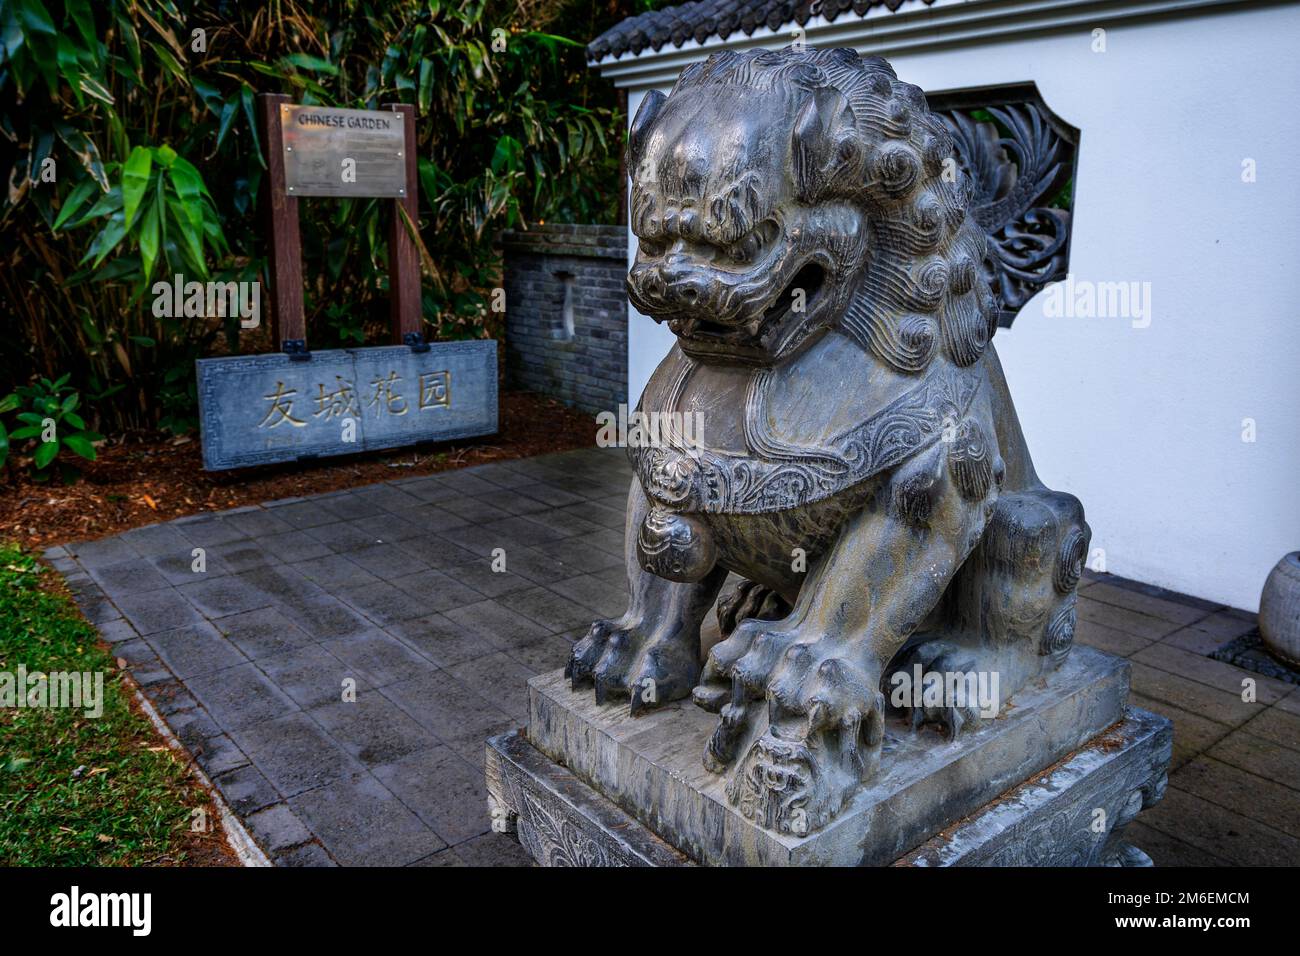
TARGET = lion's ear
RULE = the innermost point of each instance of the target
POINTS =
(640, 128)
(815, 140)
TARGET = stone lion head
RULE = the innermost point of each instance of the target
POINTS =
(780, 194)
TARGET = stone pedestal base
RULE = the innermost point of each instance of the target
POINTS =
(1050, 782)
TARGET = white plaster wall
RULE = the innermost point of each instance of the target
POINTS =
(1145, 425)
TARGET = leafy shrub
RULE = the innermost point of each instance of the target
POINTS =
(50, 423)
(149, 132)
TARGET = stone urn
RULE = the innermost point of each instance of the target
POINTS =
(1279, 610)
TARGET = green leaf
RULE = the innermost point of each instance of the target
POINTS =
(78, 445)
(76, 199)
(308, 62)
(22, 434)
(148, 241)
(9, 403)
(71, 402)
(4, 444)
(45, 453)
(135, 180)
(75, 420)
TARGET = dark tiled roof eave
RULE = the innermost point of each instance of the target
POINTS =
(701, 19)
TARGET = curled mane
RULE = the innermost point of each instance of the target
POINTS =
(924, 288)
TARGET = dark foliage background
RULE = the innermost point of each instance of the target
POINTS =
(130, 152)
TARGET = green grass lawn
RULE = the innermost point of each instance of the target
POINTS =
(78, 790)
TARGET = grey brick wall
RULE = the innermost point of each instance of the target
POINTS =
(577, 353)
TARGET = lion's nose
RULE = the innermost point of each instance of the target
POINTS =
(684, 290)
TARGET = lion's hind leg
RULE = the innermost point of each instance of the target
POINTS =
(1008, 615)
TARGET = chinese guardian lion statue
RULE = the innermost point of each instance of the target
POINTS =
(859, 461)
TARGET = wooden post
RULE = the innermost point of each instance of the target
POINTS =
(403, 261)
(288, 326)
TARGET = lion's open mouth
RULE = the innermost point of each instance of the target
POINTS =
(754, 339)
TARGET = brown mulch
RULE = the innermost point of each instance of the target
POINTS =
(141, 480)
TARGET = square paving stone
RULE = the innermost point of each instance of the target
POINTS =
(178, 566)
(581, 555)
(277, 828)
(361, 823)
(257, 523)
(387, 527)
(536, 564)
(133, 576)
(295, 754)
(219, 597)
(512, 502)
(496, 624)
(499, 678)
(441, 858)
(428, 519)
(385, 561)
(476, 510)
(343, 536)
(595, 594)
(455, 714)
(440, 640)
(443, 789)
(329, 619)
(193, 726)
(384, 604)
(437, 552)
(349, 506)
(564, 525)
(101, 553)
(263, 633)
(478, 574)
(373, 729)
(428, 488)
(305, 514)
(377, 658)
(240, 697)
(283, 584)
(210, 532)
(218, 754)
(465, 482)
(246, 790)
(311, 675)
(195, 649)
(386, 495)
(552, 495)
(335, 571)
(544, 654)
(117, 631)
(437, 591)
(155, 611)
(293, 546)
(552, 611)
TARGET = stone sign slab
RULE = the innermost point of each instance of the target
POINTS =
(261, 409)
(651, 766)
(341, 153)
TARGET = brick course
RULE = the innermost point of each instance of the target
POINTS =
(584, 365)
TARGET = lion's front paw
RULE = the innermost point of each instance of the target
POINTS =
(621, 660)
(825, 724)
(823, 739)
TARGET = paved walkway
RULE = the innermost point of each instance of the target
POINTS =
(389, 590)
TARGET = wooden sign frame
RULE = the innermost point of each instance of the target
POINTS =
(288, 320)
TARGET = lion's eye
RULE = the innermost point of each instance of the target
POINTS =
(748, 247)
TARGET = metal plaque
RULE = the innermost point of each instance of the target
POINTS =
(259, 409)
(342, 153)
